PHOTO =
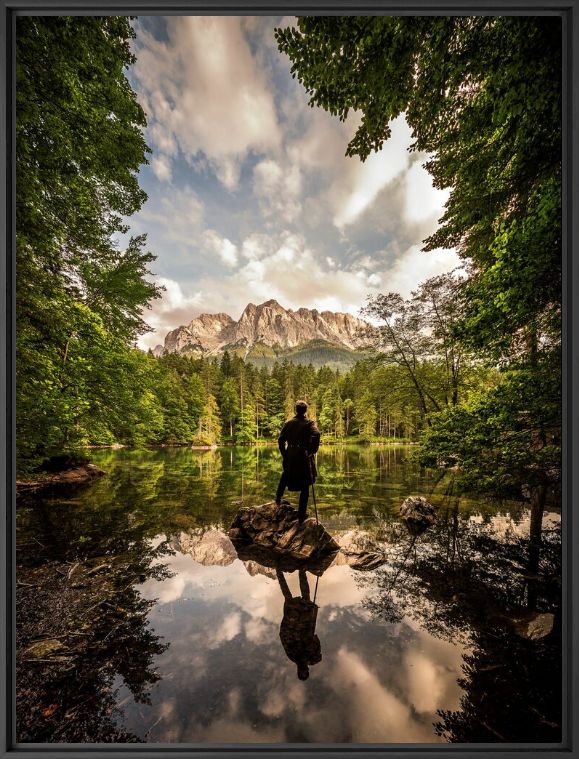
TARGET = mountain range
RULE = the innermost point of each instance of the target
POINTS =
(268, 332)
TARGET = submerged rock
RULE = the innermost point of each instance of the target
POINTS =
(277, 528)
(538, 626)
(418, 514)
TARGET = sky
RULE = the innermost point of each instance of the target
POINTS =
(250, 194)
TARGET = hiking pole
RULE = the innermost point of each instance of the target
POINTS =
(313, 489)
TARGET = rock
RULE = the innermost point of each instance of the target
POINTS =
(418, 514)
(535, 627)
(79, 476)
(266, 324)
(277, 528)
(43, 648)
(266, 561)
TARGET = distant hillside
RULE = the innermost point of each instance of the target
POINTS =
(315, 352)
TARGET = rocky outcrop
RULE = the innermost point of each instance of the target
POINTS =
(206, 334)
(534, 626)
(267, 561)
(69, 479)
(268, 324)
(418, 514)
(277, 529)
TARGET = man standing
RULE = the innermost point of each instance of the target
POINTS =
(298, 441)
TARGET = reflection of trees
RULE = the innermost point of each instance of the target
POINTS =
(464, 581)
(84, 602)
(512, 690)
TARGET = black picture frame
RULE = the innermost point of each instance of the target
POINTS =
(568, 10)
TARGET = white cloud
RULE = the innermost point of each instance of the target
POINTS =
(415, 265)
(224, 248)
(161, 166)
(287, 269)
(423, 200)
(171, 310)
(204, 93)
(355, 192)
(278, 188)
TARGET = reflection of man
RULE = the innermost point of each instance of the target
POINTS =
(298, 626)
(302, 438)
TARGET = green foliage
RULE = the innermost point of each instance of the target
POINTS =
(209, 431)
(493, 439)
(482, 95)
(79, 297)
(247, 431)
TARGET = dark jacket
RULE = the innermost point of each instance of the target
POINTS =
(298, 441)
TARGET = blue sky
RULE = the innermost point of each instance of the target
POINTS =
(250, 194)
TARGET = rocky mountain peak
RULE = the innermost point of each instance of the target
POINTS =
(269, 324)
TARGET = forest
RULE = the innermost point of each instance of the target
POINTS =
(468, 366)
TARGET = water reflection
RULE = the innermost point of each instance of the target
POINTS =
(199, 643)
(298, 626)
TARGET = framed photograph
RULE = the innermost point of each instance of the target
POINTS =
(289, 382)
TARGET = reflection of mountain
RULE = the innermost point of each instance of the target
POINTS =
(254, 568)
(208, 547)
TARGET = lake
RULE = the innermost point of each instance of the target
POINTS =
(138, 622)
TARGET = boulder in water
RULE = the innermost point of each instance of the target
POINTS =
(535, 626)
(277, 528)
(62, 481)
(418, 514)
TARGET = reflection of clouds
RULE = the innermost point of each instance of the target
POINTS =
(228, 730)
(376, 714)
(226, 678)
(430, 675)
(338, 588)
(258, 630)
(227, 630)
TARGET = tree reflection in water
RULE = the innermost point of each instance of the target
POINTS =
(463, 581)
(82, 625)
(477, 580)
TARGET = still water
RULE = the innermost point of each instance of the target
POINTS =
(154, 630)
